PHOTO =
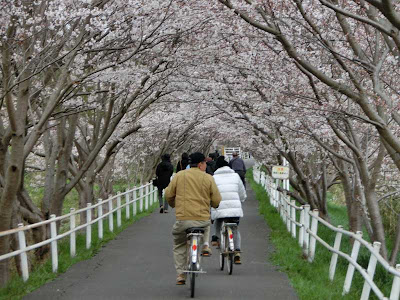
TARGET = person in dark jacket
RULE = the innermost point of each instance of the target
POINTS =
(237, 165)
(211, 164)
(164, 172)
(183, 163)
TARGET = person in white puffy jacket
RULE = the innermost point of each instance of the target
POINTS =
(233, 194)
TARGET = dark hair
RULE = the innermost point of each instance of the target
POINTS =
(166, 157)
(196, 158)
(221, 162)
(185, 156)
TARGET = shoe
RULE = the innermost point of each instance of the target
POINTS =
(236, 259)
(214, 241)
(161, 209)
(206, 251)
(181, 279)
(165, 211)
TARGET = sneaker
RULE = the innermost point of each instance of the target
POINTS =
(236, 259)
(206, 251)
(165, 211)
(214, 241)
(161, 209)
(181, 279)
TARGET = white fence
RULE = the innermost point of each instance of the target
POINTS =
(307, 221)
(137, 197)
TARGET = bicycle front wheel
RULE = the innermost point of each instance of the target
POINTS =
(192, 279)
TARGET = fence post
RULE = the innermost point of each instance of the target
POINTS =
(141, 199)
(371, 271)
(89, 226)
(127, 211)
(395, 292)
(288, 210)
(153, 196)
(350, 269)
(336, 246)
(119, 210)
(134, 201)
(146, 203)
(293, 217)
(313, 240)
(301, 229)
(72, 237)
(110, 216)
(54, 251)
(100, 215)
(23, 256)
(306, 240)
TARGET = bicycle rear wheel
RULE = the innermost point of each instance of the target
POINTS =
(229, 263)
(221, 260)
(229, 254)
(192, 279)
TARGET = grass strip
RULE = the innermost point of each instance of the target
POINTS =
(42, 273)
(310, 280)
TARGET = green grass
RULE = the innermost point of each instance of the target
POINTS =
(311, 280)
(42, 273)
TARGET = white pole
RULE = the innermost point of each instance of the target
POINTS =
(119, 210)
(89, 226)
(127, 210)
(100, 214)
(110, 216)
(314, 229)
(141, 198)
(301, 229)
(72, 237)
(146, 205)
(306, 240)
(23, 256)
(134, 202)
(395, 293)
(54, 251)
(293, 217)
(350, 269)
(371, 271)
(288, 209)
(336, 246)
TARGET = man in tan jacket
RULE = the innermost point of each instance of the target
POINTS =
(192, 192)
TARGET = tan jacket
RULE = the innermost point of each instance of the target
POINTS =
(192, 192)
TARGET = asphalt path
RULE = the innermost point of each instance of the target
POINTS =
(138, 264)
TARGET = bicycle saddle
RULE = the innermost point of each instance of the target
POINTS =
(195, 230)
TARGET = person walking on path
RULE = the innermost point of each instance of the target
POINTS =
(164, 172)
(183, 163)
(233, 193)
(211, 165)
(237, 165)
(192, 192)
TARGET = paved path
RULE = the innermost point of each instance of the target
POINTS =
(138, 264)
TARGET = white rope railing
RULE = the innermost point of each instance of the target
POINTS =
(308, 228)
(145, 195)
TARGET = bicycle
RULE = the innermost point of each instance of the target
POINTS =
(227, 247)
(195, 237)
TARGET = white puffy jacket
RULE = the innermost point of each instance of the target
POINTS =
(232, 191)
